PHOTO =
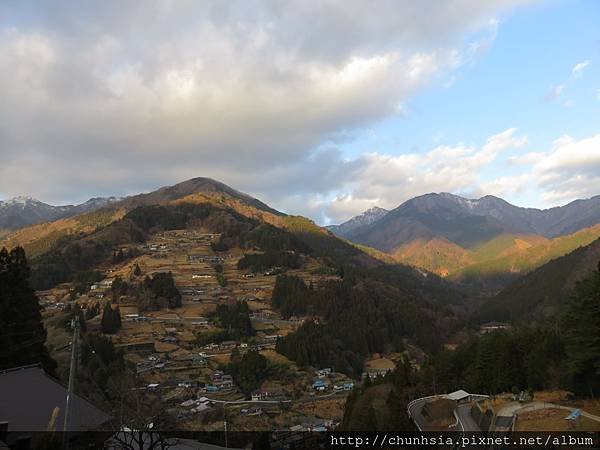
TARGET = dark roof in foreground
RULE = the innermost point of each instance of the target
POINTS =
(28, 397)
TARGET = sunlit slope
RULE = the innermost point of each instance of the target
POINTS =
(504, 254)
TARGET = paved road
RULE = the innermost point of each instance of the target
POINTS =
(316, 398)
(414, 411)
(466, 420)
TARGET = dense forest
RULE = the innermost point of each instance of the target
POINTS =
(158, 291)
(563, 353)
(73, 255)
(152, 294)
(380, 404)
(523, 358)
(248, 371)
(259, 262)
(234, 318)
(353, 318)
(539, 295)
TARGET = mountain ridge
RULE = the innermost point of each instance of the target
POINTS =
(22, 211)
(367, 217)
(484, 238)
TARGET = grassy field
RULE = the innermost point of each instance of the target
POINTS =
(553, 420)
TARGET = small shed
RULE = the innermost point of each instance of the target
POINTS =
(459, 396)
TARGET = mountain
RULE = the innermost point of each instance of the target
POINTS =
(98, 212)
(550, 223)
(482, 241)
(62, 250)
(20, 212)
(368, 217)
(215, 190)
(91, 205)
(541, 294)
(427, 217)
(468, 222)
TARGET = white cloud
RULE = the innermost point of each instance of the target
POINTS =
(570, 170)
(578, 68)
(115, 97)
(386, 181)
(503, 186)
(526, 159)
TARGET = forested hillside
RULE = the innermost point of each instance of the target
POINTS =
(541, 295)
(357, 317)
(565, 356)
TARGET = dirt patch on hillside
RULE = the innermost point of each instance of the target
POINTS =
(439, 414)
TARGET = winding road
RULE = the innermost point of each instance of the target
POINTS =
(464, 420)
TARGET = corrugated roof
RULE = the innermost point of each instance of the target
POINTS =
(28, 397)
(458, 395)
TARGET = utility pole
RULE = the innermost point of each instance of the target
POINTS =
(71, 386)
(225, 423)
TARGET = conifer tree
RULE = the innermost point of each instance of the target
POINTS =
(22, 333)
(582, 335)
(111, 320)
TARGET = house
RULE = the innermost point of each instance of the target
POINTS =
(320, 385)
(211, 388)
(323, 372)
(228, 344)
(374, 373)
(28, 398)
(490, 327)
(269, 394)
(200, 408)
(106, 284)
(226, 382)
(348, 386)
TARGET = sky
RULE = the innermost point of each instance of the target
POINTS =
(321, 108)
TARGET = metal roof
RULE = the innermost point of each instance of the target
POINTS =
(458, 395)
(28, 397)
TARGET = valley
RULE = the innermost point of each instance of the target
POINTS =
(197, 306)
(486, 243)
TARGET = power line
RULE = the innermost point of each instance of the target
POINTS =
(72, 373)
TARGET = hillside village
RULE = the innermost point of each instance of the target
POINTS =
(172, 350)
